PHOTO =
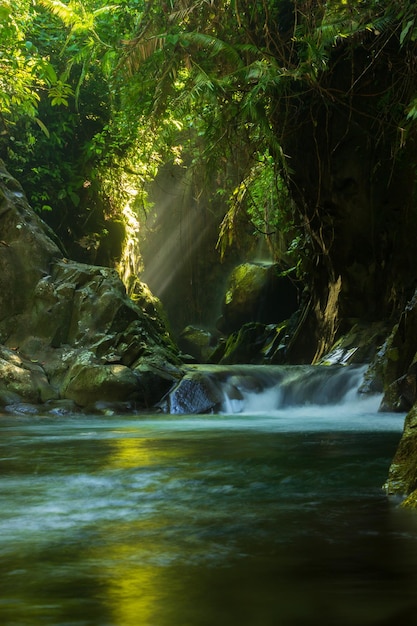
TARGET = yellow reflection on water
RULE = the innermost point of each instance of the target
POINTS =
(133, 562)
(132, 589)
(129, 452)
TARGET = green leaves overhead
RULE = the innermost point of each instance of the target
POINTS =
(102, 87)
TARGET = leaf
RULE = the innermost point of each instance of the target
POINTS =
(406, 30)
(42, 126)
(75, 198)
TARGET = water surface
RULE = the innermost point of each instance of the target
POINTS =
(260, 519)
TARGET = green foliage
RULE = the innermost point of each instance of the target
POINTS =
(247, 69)
(263, 198)
(65, 137)
(94, 96)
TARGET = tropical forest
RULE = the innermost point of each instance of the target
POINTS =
(208, 312)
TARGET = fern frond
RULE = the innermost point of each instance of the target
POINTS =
(213, 45)
(141, 50)
(61, 10)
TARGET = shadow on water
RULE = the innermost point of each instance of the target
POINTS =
(259, 519)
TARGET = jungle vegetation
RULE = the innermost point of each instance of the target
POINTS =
(277, 101)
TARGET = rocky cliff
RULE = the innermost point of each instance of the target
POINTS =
(70, 338)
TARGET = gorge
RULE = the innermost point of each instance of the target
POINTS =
(208, 313)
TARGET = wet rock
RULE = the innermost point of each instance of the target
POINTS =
(397, 367)
(396, 362)
(195, 393)
(22, 408)
(60, 408)
(359, 345)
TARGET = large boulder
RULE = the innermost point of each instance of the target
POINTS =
(68, 331)
(402, 477)
(197, 343)
(195, 393)
(256, 292)
(22, 378)
(394, 368)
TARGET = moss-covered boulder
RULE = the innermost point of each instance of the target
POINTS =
(197, 343)
(257, 292)
(402, 478)
(22, 379)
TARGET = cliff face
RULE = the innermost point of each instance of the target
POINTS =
(352, 178)
(69, 335)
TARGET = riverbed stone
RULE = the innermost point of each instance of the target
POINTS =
(22, 379)
(195, 393)
(88, 383)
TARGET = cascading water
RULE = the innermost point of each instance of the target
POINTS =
(268, 389)
(298, 386)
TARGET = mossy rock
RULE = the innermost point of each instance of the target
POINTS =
(257, 293)
(402, 476)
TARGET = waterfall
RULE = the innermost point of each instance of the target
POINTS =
(247, 388)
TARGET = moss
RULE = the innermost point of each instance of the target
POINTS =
(393, 354)
(402, 478)
(411, 501)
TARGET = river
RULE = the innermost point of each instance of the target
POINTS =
(261, 518)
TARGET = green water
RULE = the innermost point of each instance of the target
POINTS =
(253, 520)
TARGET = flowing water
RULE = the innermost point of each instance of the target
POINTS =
(266, 517)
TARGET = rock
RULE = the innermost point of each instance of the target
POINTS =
(359, 345)
(257, 293)
(245, 346)
(22, 408)
(196, 342)
(394, 369)
(402, 477)
(88, 382)
(397, 365)
(22, 380)
(59, 408)
(26, 251)
(195, 393)
(69, 330)
(155, 377)
(253, 343)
